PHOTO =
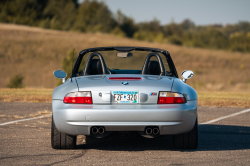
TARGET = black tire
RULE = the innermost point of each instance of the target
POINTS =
(188, 140)
(61, 140)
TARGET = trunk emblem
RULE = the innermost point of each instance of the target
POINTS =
(124, 83)
(153, 94)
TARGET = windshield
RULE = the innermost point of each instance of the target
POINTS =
(115, 63)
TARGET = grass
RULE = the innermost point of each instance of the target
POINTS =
(26, 95)
(225, 99)
(36, 53)
(205, 98)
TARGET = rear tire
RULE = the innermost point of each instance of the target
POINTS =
(61, 140)
(188, 140)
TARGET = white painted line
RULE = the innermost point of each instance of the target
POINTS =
(16, 121)
(224, 117)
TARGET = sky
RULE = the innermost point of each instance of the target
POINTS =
(201, 12)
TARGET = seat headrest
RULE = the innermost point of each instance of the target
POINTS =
(95, 67)
(153, 68)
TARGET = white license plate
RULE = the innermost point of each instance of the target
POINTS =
(125, 96)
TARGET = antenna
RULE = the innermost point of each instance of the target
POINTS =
(72, 64)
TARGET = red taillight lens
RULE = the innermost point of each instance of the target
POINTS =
(171, 98)
(124, 78)
(78, 98)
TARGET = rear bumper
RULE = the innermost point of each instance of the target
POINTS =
(78, 119)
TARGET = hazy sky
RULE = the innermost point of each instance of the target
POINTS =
(201, 12)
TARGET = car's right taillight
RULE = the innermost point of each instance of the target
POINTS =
(78, 98)
(171, 98)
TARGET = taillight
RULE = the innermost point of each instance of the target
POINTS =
(171, 98)
(78, 98)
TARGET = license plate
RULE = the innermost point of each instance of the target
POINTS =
(125, 96)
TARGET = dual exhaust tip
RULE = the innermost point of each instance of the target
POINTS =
(152, 130)
(98, 130)
(148, 130)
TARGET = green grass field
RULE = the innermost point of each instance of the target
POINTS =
(205, 98)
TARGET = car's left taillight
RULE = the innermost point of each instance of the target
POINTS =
(78, 98)
(171, 98)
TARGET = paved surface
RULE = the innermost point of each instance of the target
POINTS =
(225, 142)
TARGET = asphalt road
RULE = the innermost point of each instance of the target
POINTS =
(224, 142)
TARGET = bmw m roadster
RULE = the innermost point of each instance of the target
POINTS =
(124, 89)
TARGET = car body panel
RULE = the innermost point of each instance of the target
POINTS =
(145, 86)
(60, 92)
(78, 119)
(181, 87)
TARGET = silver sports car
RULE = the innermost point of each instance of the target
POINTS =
(124, 89)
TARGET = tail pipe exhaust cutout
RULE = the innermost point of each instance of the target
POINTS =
(97, 130)
(148, 131)
(101, 130)
(152, 130)
(156, 131)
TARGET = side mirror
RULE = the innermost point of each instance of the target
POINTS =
(124, 54)
(187, 74)
(60, 74)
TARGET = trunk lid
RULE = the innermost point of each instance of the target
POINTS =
(102, 87)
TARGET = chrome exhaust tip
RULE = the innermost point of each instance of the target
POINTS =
(95, 130)
(148, 131)
(156, 131)
(101, 130)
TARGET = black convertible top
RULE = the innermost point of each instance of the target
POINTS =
(125, 49)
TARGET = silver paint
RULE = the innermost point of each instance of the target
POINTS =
(76, 119)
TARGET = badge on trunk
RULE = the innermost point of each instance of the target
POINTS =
(124, 83)
(153, 94)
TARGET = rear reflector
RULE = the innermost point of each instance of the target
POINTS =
(171, 98)
(78, 98)
(124, 78)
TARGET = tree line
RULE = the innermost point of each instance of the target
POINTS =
(95, 16)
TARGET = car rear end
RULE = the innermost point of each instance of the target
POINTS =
(147, 104)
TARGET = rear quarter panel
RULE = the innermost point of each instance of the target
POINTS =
(62, 90)
(186, 90)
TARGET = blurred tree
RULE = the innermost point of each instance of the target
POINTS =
(149, 31)
(59, 14)
(153, 26)
(67, 65)
(240, 41)
(187, 24)
(16, 82)
(175, 40)
(28, 12)
(94, 16)
(117, 31)
(125, 23)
